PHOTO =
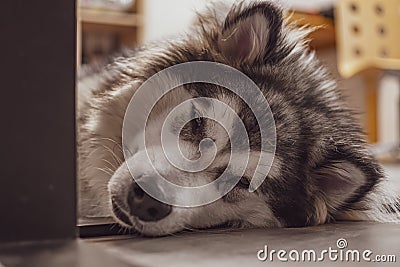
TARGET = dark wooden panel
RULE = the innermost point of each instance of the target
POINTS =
(37, 186)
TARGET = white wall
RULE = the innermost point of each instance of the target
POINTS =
(388, 109)
(164, 18)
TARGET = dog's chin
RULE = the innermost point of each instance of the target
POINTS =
(168, 227)
(156, 229)
(150, 229)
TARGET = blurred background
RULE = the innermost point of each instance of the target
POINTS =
(357, 40)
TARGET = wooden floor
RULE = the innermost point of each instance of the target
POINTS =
(207, 248)
(239, 248)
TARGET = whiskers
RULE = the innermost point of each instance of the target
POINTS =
(113, 155)
(225, 227)
(106, 170)
(124, 230)
(116, 148)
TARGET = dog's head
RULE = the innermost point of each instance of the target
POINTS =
(255, 39)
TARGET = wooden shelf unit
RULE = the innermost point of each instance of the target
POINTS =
(109, 17)
(127, 25)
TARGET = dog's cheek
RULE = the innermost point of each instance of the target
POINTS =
(234, 196)
(289, 201)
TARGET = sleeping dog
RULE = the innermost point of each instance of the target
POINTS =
(321, 170)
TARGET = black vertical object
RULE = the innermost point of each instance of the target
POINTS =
(37, 118)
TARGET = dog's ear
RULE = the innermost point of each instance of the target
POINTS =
(339, 183)
(253, 33)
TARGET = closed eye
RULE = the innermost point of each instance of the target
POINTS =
(198, 121)
(243, 183)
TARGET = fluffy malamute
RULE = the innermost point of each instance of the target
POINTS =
(322, 170)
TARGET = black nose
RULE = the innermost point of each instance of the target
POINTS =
(145, 207)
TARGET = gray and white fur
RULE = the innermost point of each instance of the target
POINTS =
(322, 171)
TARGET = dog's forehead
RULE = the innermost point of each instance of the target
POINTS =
(206, 94)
